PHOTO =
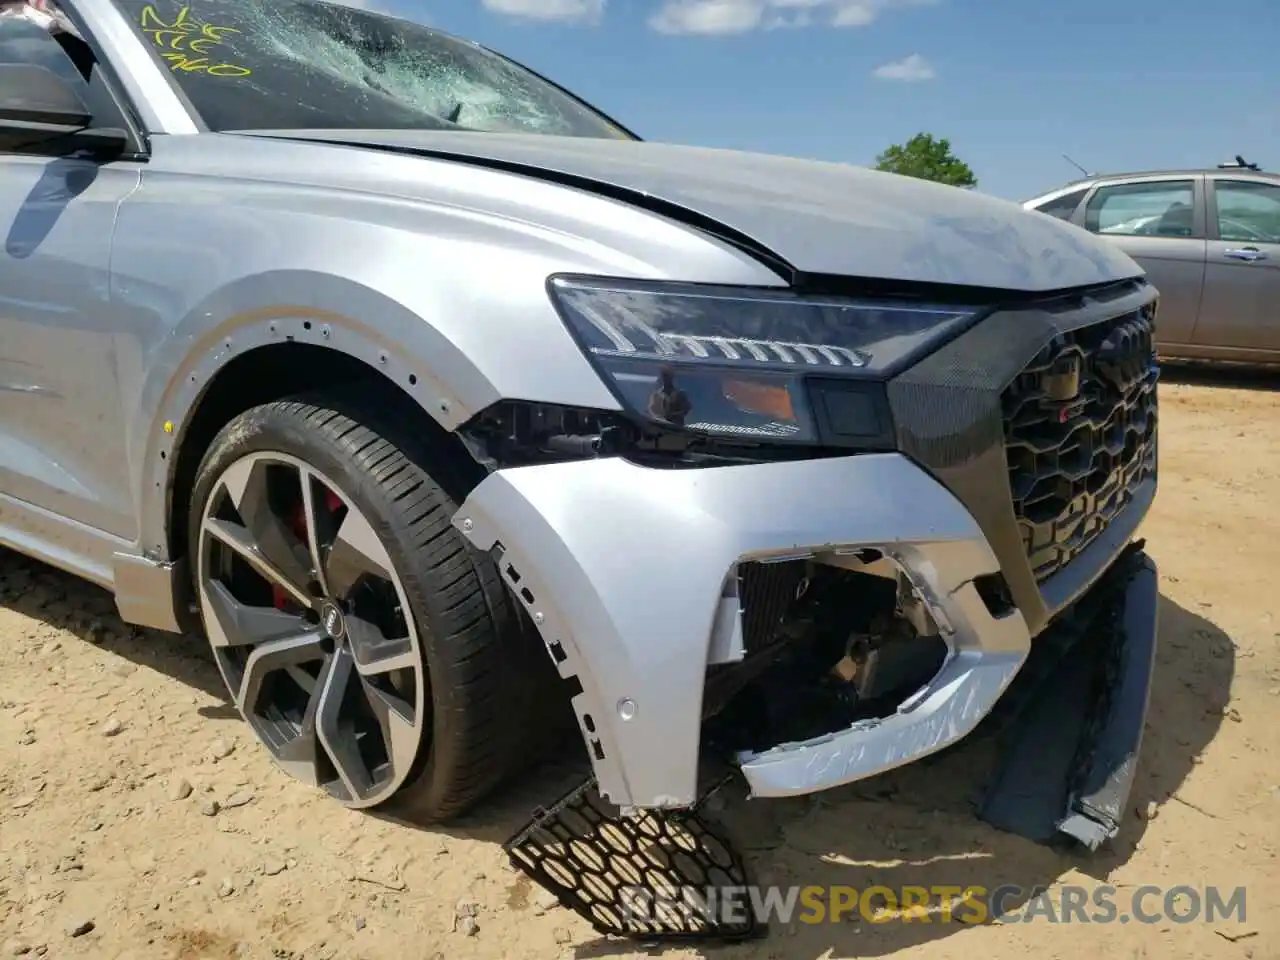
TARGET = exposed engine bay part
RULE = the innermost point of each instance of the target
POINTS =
(901, 649)
(826, 645)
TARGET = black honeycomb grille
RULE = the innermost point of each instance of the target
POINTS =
(653, 875)
(1080, 435)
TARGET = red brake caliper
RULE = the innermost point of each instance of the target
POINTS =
(298, 524)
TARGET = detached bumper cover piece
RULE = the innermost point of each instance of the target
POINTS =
(623, 569)
(654, 876)
(1107, 773)
(1076, 713)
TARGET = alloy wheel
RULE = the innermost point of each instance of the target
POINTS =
(311, 628)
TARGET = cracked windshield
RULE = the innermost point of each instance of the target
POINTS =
(298, 64)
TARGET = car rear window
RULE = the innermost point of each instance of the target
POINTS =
(1064, 206)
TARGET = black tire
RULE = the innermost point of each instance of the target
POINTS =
(488, 673)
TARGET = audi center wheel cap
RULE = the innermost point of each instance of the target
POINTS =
(335, 625)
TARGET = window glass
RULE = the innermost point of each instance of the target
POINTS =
(297, 64)
(1248, 211)
(1064, 206)
(22, 41)
(1161, 209)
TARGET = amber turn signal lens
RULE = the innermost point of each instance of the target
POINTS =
(763, 398)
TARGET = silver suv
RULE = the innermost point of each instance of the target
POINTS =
(447, 407)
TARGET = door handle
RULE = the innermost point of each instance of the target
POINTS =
(1248, 254)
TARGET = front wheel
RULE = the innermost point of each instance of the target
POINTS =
(368, 646)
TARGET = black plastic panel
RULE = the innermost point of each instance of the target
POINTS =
(1070, 725)
(1075, 464)
(851, 413)
(765, 592)
(949, 412)
(651, 877)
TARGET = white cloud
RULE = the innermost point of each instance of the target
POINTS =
(910, 69)
(708, 16)
(577, 11)
(713, 17)
(374, 6)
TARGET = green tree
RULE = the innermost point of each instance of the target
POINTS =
(928, 158)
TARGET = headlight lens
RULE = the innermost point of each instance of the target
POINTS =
(733, 362)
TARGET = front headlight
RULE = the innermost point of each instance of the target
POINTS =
(739, 363)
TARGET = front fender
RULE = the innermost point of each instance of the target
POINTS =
(432, 272)
(302, 307)
(471, 327)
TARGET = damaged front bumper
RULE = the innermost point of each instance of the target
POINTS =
(628, 573)
(1076, 714)
(625, 570)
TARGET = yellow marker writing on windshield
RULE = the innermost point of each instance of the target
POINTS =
(185, 36)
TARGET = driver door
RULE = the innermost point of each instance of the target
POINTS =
(62, 452)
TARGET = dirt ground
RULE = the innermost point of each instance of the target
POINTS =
(113, 747)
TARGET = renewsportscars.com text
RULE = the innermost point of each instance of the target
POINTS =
(942, 904)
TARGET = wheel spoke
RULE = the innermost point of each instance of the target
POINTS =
(376, 653)
(397, 722)
(299, 756)
(248, 485)
(275, 655)
(309, 512)
(238, 539)
(235, 624)
(337, 738)
(356, 553)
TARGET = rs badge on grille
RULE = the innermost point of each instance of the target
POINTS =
(1060, 385)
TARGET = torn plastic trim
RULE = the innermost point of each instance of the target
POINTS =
(986, 652)
(1105, 778)
(622, 569)
(1070, 728)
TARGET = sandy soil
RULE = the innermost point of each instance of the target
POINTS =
(113, 746)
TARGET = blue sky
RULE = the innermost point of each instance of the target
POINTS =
(1117, 84)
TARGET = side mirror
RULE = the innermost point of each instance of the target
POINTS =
(33, 97)
(41, 112)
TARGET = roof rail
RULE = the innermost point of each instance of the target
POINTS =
(1239, 164)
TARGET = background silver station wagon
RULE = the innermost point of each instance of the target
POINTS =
(1210, 242)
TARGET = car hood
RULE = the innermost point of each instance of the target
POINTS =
(819, 218)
